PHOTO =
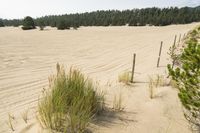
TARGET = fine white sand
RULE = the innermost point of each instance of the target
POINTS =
(27, 58)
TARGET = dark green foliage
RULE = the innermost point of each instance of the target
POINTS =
(1, 23)
(14, 22)
(134, 17)
(41, 24)
(187, 75)
(61, 25)
(28, 23)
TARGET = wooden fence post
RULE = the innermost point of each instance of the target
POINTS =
(133, 67)
(173, 62)
(175, 40)
(158, 62)
(179, 39)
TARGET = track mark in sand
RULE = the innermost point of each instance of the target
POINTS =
(7, 88)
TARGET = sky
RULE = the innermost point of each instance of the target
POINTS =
(15, 9)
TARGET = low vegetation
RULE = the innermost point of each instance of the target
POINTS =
(155, 82)
(10, 122)
(41, 25)
(70, 103)
(125, 77)
(62, 25)
(187, 77)
(25, 116)
(118, 102)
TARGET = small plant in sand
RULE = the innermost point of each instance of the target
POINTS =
(117, 102)
(70, 103)
(25, 116)
(125, 77)
(155, 82)
(10, 122)
(151, 87)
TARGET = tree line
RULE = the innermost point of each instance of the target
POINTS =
(135, 17)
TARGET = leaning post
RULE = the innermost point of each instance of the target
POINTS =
(133, 67)
(158, 62)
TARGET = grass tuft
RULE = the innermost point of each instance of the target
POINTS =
(125, 77)
(25, 116)
(151, 87)
(155, 82)
(117, 102)
(70, 102)
(10, 120)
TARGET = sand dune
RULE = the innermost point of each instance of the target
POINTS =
(27, 58)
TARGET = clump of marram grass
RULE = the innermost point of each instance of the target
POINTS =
(117, 102)
(125, 77)
(70, 103)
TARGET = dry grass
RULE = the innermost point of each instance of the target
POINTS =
(118, 102)
(173, 84)
(10, 122)
(155, 82)
(70, 103)
(151, 87)
(125, 77)
(25, 116)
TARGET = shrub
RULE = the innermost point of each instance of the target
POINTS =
(1, 23)
(62, 25)
(28, 23)
(70, 103)
(187, 77)
(41, 24)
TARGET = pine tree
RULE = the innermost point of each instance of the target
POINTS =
(187, 76)
(28, 23)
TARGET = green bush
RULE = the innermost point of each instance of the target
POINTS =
(70, 103)
(28, 23)
(187, 76)
(62, 25)
(1, 23)
(41, 24)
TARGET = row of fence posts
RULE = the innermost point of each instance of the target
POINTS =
(159, 55)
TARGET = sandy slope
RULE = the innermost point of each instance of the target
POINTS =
(27, 58)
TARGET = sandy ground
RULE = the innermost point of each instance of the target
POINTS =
(27, 58)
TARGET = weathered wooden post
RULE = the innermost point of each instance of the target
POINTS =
(173, 48)
(133, 67)
(179, 39)
(184, 36)
(158, 62)
(175, 40)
